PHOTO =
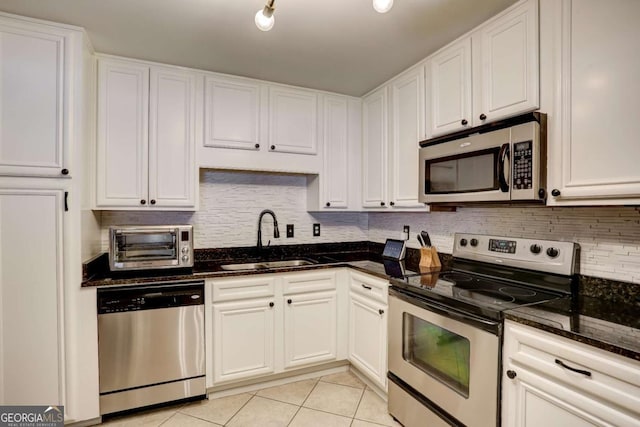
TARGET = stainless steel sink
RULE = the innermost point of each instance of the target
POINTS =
(266, 265)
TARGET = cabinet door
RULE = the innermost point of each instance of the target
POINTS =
(34, 100)
(368, 338)
(232, 114)
(335, 132)
(374, 149)
(293, 120)
(243, 336)
(407, 129)
(122, 154)
(31, 297)
(309, 328)
(451, 88)
(595, 150)
(506, 79)
(172, 165)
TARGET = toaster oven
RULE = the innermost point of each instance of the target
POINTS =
(150, 247)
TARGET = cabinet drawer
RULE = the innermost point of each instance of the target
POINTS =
(372, 287)
(612, 378)
(242, 288)
(309, 282)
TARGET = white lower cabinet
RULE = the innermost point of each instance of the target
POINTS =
(309, 328)
(542, 385)
(243, 334)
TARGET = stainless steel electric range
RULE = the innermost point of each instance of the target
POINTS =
(445, 328)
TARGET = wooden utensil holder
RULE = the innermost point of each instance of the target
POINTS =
(429, 259)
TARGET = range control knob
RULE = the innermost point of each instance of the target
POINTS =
(185, 250)
(535, 249)
(474, 242)
(463, 242)
(553, 252)
(185, 258)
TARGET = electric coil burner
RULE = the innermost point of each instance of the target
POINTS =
(445, 328)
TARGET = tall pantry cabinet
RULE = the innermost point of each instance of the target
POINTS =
(47, 322)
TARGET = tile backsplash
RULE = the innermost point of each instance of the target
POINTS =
(609, 237)
(230, 203)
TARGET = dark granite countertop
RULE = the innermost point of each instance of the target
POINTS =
(612, 324)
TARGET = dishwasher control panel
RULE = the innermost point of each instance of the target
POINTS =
(135, 298)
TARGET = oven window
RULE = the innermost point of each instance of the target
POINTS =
(466, 173)
(150, 246)
(440, 353)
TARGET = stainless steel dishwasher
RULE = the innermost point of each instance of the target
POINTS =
(150, 344)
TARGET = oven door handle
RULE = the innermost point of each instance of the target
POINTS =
(445, 311)
(502, 179)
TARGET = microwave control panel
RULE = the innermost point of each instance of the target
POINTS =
(523, 165)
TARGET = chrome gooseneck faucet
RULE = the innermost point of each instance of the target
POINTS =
(276, 232)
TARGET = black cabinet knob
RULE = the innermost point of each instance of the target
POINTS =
(483, 116)
(511, 374)
(474, 242)
(289, 301)
(152, 201)
(273, 147)
(392, 203)
(271, 304)
(381, 311)
(555, 192)
(381, 203)
(464, 122)
(463, 242)
(257, 146)
(143, 202)
(328, 204)
(64, 171)
(535, 249)
(553, 252)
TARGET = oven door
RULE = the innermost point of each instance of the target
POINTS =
(471, 169)
(452, 363)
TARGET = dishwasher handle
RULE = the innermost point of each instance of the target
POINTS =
(138, 298)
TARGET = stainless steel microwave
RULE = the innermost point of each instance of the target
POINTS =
(150, 247)
(500, 162)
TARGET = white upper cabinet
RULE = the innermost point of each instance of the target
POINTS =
(594, 88)
(450, 79)
(293, 116)
(35, 66)
(488, 75)
(146, 139)
(232, 113)
(374, 149)
(407, 129)
(505, 65)
(335, 132)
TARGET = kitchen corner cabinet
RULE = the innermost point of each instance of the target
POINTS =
(368, 327)
(32, 361)
(146, 137)
(489, 74)
(593, 91)
(36, 63)
(553, 381)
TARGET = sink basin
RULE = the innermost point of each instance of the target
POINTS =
(266, 265)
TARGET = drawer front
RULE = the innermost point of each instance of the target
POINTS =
(612, 378)
(309, 282)
(369, 286)
(242, 288)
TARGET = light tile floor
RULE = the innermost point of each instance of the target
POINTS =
(338, 400)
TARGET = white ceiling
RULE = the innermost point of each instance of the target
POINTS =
(336, 45)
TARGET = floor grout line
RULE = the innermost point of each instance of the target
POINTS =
(239, 409)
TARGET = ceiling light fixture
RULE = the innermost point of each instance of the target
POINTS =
(264, 17)
(382, 6)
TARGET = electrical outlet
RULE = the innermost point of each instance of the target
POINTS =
(405, 232)
(289, 230)
(316, 230)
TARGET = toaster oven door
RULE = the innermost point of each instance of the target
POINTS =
(147, 248)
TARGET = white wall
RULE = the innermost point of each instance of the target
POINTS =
(609, 237)
(230, 203)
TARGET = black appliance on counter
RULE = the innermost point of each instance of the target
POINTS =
(445, 328)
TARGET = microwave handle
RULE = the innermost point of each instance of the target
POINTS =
(502, 156)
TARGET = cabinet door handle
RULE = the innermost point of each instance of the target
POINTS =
(64, 171)
(381, 311)
(328, 204)
(392, 203)
(483, 116)
(271, 304)
(153, 201)
(511, 374)
(381, 203)
(366, 287)
(289, 301)
(143, 202)
(273, 147)
(464, 122)
(555, 192)
(580, 371)
(257, 146)
(66, 201)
